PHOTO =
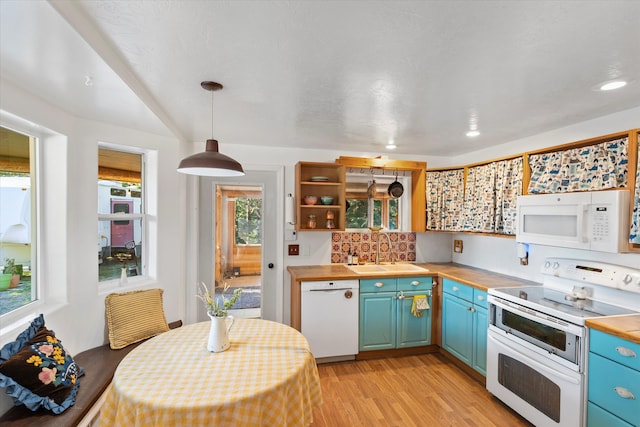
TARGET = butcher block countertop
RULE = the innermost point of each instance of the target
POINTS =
(625, 327)
(475, 277)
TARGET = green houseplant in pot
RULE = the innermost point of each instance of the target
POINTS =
(15, 270)
(221, 323)
(10, 276)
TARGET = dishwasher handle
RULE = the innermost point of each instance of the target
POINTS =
(329, 290)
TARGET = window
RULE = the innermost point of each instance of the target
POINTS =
(385, 212)
(248, 217)
(121, 214)
(17, 226)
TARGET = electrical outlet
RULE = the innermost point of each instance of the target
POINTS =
(294, 250)
(457, 246)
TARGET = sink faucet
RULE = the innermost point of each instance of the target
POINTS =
(378, 248)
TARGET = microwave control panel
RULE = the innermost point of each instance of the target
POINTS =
(600, 227)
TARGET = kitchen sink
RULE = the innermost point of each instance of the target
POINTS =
(366, 268)
(385, 268)
(403, 268)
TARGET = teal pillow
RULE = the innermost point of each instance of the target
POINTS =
(37, 371)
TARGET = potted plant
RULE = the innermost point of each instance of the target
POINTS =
(15, 271)
(217, 308)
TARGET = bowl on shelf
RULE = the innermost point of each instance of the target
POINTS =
(310, 200)
(326, 200)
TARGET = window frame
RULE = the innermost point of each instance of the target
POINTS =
(42, 297)
(143, 216)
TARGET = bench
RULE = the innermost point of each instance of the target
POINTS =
(99, 365)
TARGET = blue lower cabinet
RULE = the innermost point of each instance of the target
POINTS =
(386, 318)
(465, 324)
(377, 321)
(412, 331)
(598, 417)
(614, 381)
(481, 324)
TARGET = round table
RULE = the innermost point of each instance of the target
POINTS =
(267, 377)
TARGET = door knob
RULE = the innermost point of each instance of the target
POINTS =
(270, 265)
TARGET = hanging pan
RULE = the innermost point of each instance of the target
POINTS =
(395, 189)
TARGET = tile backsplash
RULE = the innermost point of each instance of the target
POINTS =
(394, 246)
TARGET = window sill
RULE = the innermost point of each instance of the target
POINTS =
(16, 321)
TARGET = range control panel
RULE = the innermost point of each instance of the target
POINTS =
(593, 272)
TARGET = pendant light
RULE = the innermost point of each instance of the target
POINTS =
(210, 162)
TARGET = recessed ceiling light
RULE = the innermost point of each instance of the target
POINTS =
(391, 146)
(473, 133)
(613, 84)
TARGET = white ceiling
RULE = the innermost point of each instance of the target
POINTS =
(345, 75)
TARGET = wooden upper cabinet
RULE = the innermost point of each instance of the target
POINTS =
(320, 180)
(418, 182)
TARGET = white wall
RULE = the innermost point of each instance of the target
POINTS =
(70, 263)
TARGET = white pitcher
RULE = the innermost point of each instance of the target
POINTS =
(219, 333)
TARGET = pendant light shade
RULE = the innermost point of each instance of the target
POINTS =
(210, 162)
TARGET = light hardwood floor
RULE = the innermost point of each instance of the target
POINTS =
(425, 390)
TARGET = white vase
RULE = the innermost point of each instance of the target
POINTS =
(219, 333)
(123, 276)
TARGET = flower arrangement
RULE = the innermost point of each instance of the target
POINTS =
(218, 306)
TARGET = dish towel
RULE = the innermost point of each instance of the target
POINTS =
(419, 303)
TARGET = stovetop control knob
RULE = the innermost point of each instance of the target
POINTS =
(627, 279)
(547, 264)
(556, 265)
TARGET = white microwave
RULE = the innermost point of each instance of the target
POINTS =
(593, 220)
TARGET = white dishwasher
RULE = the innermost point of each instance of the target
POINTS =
(330, 317)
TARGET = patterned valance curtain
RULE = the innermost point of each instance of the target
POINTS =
(595, 167)
(491, 193)
(445, 196)
(634, 236)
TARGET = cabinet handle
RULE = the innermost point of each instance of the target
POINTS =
(624, 393)
(378, 284)
(471, 309)
(480, 297)
(415, 283)
(455, 289)
(626, 352)
(434, 283)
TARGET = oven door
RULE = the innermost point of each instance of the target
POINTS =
(542, 391)
(546, 334)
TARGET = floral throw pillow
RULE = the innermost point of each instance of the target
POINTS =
(37, 371)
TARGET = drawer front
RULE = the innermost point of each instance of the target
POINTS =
(615, 348)
(458, 289)
(614, 387)
(422, 283)
(598, 417)
(377, 285)
(480, 298)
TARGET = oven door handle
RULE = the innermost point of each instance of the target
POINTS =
(536, 317)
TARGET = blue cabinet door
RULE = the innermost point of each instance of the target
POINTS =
(377, 321)
(481, 324)
(457, 327)
(412, 331)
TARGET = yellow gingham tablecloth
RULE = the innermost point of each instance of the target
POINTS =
(268, 377)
